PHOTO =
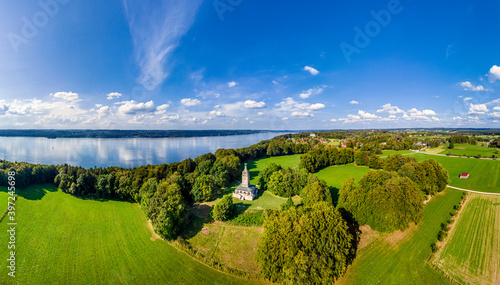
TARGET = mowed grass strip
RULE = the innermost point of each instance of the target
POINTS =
(401, 257)
(484, 173)
(66, 240)
(471, 255)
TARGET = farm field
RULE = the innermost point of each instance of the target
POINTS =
(484, 173)
(59, 237)
(471, 150)
(336, 175)
(471, 254)
(401, 257)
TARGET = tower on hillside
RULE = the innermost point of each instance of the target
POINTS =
(245, 191)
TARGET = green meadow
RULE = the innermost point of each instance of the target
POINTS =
(484, 173)
(471, 254)
(471, 150)
(66, 240)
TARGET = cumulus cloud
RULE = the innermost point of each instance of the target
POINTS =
(316, 106)
(311, 70)
(162, 109)
(313, 91)
(494, 73)
(302, 114)
(260, 114)
(467, 85)
(113, 95)
(333, 120)
(496, 108)
(285, 118)
(250, 104)
(478, 109)
(232, 84)
(68, 96)
(216, 113)
(354, 102)
(190, 102)
(103, 112)
(156, 31)
(132, 107)
(388, 108)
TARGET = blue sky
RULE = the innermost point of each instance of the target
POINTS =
(236, 64)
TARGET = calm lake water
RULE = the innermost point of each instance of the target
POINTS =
(123, 152)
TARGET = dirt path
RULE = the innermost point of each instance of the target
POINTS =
(462, 189)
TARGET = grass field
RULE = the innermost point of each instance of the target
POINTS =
(471, 150)
(336, 175)
(400, 257)
(65, 240)
(234, 246)
(386, 153)
(484, 174)
(471, 254)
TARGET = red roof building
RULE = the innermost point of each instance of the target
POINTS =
(464, 175)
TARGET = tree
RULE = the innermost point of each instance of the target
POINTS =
(224, 209)
(383, 200)
(361, 157)
(375, 161)
(168, 219)
(306, 245)
(204, 188)
(266, 173)
(316, 192)
(451, 146)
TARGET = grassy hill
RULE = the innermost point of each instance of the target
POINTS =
(471, 254)
(68, 240)
(484, 174)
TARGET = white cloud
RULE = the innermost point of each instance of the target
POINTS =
(354, 102)
(367, 116)
(132, 107)
(351, 119)
(388, 108)
(467, 85)
(260, 114)
(156, 31)
(311, 70)
(250, 104)
(302, 114)
(216, 113)
(313, 91)
(232, 84)
(190, 102)
(478, 109)
(162, 109)
(494, 73)
(467, 99)
(496, 114)
(458, 118)
(113, 95)
(333, 120)
(316, 106)
(68, 96)
(103, 112)
(285, 119)
(496, 108)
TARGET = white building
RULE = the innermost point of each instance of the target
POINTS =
(245, 191)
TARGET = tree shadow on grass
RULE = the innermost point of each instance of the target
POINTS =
(199, 215)
(36, 192)
(353, 229)
(334, 191)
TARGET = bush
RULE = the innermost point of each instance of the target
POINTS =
(249, 218)
(434, 247)
(441, 235)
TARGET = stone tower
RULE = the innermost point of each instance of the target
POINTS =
(245, 177)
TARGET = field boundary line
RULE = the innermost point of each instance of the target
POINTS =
(472, 191)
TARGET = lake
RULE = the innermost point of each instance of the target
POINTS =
(123, 152)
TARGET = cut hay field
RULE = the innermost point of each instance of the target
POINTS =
(401, 257)
(65, 240)
(484, 173)
(471, 254)
(471, 150)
